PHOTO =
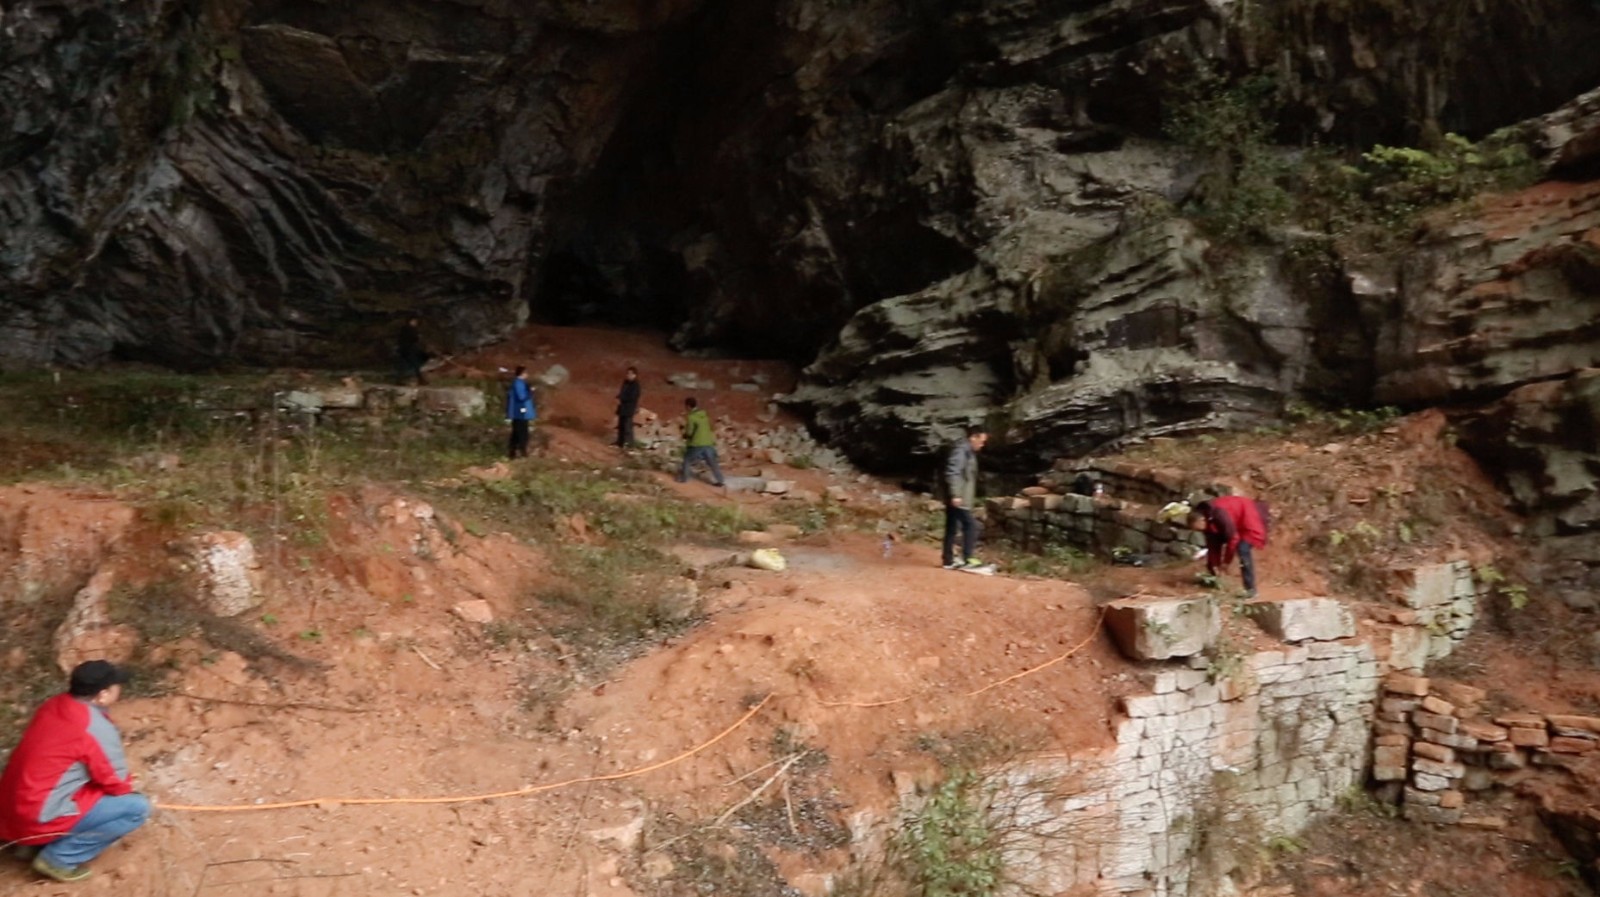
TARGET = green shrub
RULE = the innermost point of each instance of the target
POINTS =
(950, 849)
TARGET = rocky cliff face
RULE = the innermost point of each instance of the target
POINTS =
(954, 209)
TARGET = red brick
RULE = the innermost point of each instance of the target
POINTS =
(1392, 741)
(1399, 705)
(1389, 756)
(1529, 737)
(1435, 768)
(1439, 706)
(1449, 739)
(1458, 694)
(1434, 752)
(1386, 727)
(1574, 726)
(1521, 720)
(1564, 745)
(1452, 800)
(1402, 684)
(1445, 724)
(1484, 731)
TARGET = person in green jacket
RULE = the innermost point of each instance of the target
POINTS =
(699, 442)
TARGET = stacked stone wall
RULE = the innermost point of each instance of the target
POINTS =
(1205, 770)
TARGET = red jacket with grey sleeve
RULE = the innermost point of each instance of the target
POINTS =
(1230, 519)
(69, 757)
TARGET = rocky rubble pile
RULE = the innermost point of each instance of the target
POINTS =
(1434, 748)
(765, 447)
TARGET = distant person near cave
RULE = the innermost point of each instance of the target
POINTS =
(699, 441)
(627, 407)
(66, 794)
(411, 353)
(520, 412)
(1233, 525)
(958, 485)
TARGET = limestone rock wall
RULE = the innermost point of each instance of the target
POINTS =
(1203, 773)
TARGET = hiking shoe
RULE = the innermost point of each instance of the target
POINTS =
(59, 873)
(973, 562)
(951, 565)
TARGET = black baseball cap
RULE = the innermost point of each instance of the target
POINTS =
(95, 676)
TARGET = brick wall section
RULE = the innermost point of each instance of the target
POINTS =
(1432, 749)
(1434, 608)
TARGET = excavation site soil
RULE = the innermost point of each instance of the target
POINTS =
(414, 707)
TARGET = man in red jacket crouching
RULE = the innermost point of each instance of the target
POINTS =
(1234, 525)
(66, 790)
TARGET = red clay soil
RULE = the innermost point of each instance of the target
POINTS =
(868, 666)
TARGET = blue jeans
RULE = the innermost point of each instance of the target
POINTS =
(1247, 566)
(706, 453)
(112, 817)
(959, 518)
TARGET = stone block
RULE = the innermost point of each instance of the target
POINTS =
(1162, 628)
(1433, 815)
(1385, 727)
(1426, 720)
(1429, 782)
(1422, 765)
(1392, 741)
(464, 401)
(1508, 760)
(1415, 798)
(1574, 726)
(1399, 705)
(228, 574)
(1439, 706)
(1558, 761)
(1389, 773)
(1449, 739)
(1484, 731)
(1562, 744)
(1389, 756)
(1451, 800)
(1521, 720)
(1046, 502)
(1477, 779)
(1529, 737)
(1403, 684)
(1430, 751)
(1433, 585)
(1302, 619)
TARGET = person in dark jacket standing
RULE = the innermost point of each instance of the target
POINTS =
(520, 412)
(66, 794)
(959, 486)
(1233, 525)
(627, 407)
(410, 353)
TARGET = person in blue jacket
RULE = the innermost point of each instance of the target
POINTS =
(520, 412)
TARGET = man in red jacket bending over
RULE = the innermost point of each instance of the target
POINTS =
(1233, 525)
(66, 792)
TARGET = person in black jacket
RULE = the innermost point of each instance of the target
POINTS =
(411, 353)
(627, 407)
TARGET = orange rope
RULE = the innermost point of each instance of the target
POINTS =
(1099, 621)
(519, 792)
(625, 774)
